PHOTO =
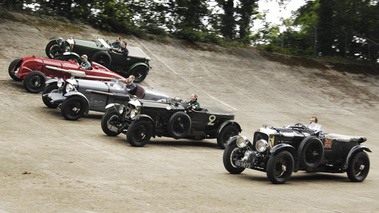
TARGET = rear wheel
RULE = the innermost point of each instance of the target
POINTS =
(231, 153)
(53, 49)
(111, 123)
(359, 167)
(73, 108)
(225, 134)
(140, 72)
(34, 82)
(11, 71)
(46, 100)
(279, 167)
(139, 133)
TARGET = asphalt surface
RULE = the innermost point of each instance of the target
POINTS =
(49, 164)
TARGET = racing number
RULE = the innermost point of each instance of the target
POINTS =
(212, 119)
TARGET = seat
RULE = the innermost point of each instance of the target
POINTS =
(139, 92)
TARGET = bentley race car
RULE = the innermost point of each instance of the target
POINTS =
(135, 63)
(141, 119)
(281, 151)
(34, 71)
(76, 97)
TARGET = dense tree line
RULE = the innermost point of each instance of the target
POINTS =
(346, 28)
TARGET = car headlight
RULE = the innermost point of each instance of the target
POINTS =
(242, 141)
(60, 83)
(69, 88)
(261, 145)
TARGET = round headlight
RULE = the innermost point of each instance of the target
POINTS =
(133, 113)
(261, 145)
(241, 141)
(69, 88)
(60, 83)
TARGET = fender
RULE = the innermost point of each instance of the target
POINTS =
(50, 81)
(352, 152)
(286, 147)
(117, 107)
(138, 64)
(58, 38)
(147, 118)
(228, 122)
(76, 93)
(232, 139)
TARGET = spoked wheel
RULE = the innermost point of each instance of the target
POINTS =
(359, 167)
(225, 134)
(111, 123)
(279, 167)
(311, 152)
(34, 82)
(46, 100)
(231, 153)
(53, 49)
(73, 108)
(103, 58)
(140, 72)
(139, 133)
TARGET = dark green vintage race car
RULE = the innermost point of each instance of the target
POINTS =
(135, 63)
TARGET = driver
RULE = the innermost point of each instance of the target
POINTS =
(85, 63)
(131, 87)
(193, 102)
(117, 44)
(313, 124)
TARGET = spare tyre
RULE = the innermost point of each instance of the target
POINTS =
(310, 153)
(179, 125)
(103, 58)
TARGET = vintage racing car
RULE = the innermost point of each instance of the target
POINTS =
(135, 63)
(34, 71)
(281, 151)
(141, 119)
(77, 96)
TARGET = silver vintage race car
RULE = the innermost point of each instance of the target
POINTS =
(76, 97)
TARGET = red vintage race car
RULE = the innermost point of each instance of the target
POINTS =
(34, 71)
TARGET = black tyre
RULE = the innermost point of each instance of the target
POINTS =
(231, 153)
(53, 49)
(103, 58)
(46, 100)
(139, 133)
(140, 72)
(359, 167)
(179, 125)
(225, 134)
(34, 82)
(279, 167)
(111, 123)
(310, 153)
(73, 108)
(10, 68)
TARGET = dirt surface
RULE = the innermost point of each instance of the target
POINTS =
(49, 164)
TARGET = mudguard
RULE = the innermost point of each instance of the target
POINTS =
(50, 81)
(352, 152)
(287, 147)
(138, 64)
(57, 38)
(228, 122)
(76, 93)
(147, 118)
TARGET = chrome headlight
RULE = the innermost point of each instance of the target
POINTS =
(60, 83)
(69, 88)
(242, 141)
(70, 85)
(261, 145)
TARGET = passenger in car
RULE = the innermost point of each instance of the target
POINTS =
(117, 44)
(123, 49)
(85, 65)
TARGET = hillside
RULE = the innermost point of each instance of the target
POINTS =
(53, 165)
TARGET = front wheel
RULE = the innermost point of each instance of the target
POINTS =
(111, 123)
(231, 154)
(279, 167)
(179, 125)
(53, 49)
(139, 133)
(11, 71)
(46, 100)
(34, 82)
(225, 134)
(359, 167)
(140, 72)
(73, 108)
